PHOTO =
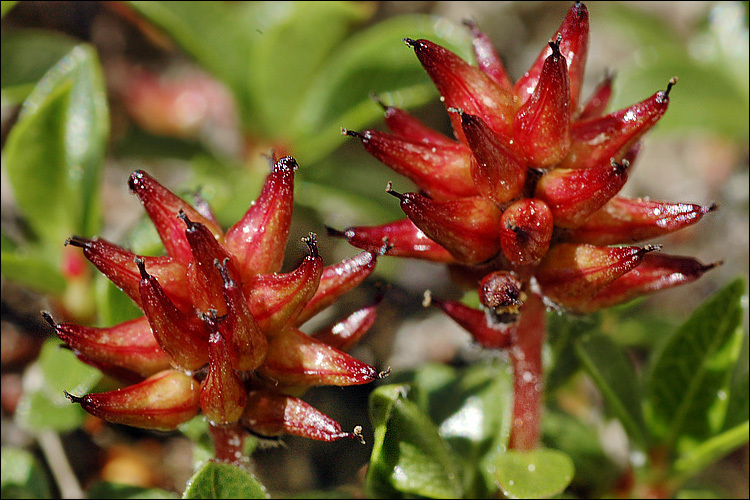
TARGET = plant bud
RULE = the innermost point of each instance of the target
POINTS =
(497, 171)
(163, 206)
(223, 395)
(404, 239)
(465, 87)
(269, 414)
(571, 274)
(441, 171)
(275, 300)
(526, 231)
(129, 347)
(625, 220)
(574, 194)
(596, 140)
(656, 272)
(500, 291)
(297, 360)
(466, 227)
(574, 34)
(541, 127)
(162, 402)
(118, 265)
(246, 341)
(258, 240)
(183, 338)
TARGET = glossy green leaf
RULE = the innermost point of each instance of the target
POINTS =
(688, 384)
(339, 95)
(290, 42)
(25, 57)
(596, 473)
(739, 392)
(408, 457)
(22, 475)
(30, 269)
(614, 374)
(711, 450)
(106, 490)
(221, 480)
(55, 152)
(539, 473)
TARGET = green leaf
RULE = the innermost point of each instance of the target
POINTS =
(614, 374)
(55, 152)
(43, 404)
(596, 473)
(220, 480)
(539, 473)
(106, 489)
(375, 60)
(711, 450)
(22, 474)
(688, 384)
(27, 268)
(408, 457)
(25, 57)
(563, 330)
(290, 42)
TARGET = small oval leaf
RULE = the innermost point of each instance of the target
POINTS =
(218, 480)
(539, 473)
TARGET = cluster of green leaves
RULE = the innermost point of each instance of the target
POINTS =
(441, 432)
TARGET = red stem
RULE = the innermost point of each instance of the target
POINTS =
(526, 355)
(228, 442)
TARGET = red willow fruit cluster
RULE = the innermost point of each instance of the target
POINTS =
(220, 327)
(523, 203)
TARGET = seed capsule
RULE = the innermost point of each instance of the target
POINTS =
(466, 227)
(162, 402)
(223, 395)
(269, 414)
(465, 87)
(258, 239)
(483, 327)
(163, 206)
(526, 231)
(344, 334)
(487, 57)
(128, 350)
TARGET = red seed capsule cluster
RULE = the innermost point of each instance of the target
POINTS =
(220, 332)
(531, 181)
(524, 201)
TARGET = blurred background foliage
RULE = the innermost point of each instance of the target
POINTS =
(199, 94)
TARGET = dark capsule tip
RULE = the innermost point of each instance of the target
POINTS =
(77, 241)
(141, 263)
(330, 231)
(136, 179)
(48, 318)
(410, 42)
(312, 244)
(73, 399)
(651, 248)
(711, 208)
(384, 373)
(286, 163)
(352, 133)
(672, 83)
(389, 190)
(555, 45)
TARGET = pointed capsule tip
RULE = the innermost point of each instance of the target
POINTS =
(384, 373)
(352, 133)
(72, 398)
(711, 208)
(357, 434)
(141, 263)
(672, 83)
(335, 232)
(287, 162)
(135, 179)
(48, 318)
(76, 241)
(409, 42)
(311, 240)
(555, 45)
(375, 97)
(651, 248)
(389, 190)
